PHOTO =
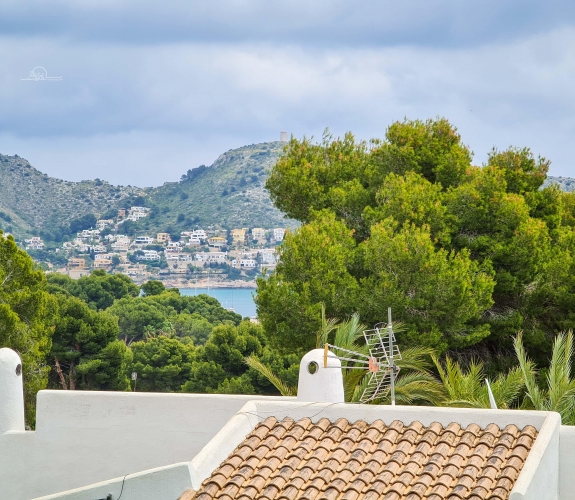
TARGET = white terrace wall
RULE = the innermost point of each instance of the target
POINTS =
(567, 463)
(538, 481)
(86, 437)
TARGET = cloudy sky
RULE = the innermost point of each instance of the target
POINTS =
(150, 89)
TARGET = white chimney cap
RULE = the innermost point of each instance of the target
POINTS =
(11, 392)
(318, 384)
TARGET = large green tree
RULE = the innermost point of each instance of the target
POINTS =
(163, 364)
(26, 317)
(99, 289)
(86, 353)
(465, 255)
(220, 366)
(192, 317)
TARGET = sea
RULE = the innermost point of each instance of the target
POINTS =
(241, 300)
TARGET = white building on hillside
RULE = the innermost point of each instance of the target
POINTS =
(194, 241)
(98, 249)
(143, 240)
(121, 246)
(279, 233)
(248, 263)
(173, 247)
(149, 255)
(89, 233)
(34, 243)
(103, 223)
(214, 257)
(268, 257)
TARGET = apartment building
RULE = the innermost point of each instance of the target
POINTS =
(258, 233)
(34, 243)
(149, 255)
(238, 235)
(279, 233)
(143, 240)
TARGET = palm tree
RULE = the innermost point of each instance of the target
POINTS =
(416, 386)
(346, 334)
(557, 391)
(467, 389)
(283, 388)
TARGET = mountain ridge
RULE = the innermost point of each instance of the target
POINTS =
(229, 193)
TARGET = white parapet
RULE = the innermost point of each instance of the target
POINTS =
(103, 436)
(11, 392)
(317, 383)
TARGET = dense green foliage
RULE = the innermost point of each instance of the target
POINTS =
(86, 351)
(26, 317)
(466, 256)
(99, 290)
(220, 365)
(163, 364)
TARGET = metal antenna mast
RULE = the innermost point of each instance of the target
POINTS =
(391, 356)
(380, 362)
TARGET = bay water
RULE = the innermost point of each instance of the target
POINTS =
(241, 300)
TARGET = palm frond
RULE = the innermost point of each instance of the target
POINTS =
(466, 388)
(327, 326)
(416, 359)
(534, 398)
(559, 393)
(280, 385)
(348, 332)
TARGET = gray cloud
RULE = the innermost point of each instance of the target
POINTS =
(324, 22)
(144, 112)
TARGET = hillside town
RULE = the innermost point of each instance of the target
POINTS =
(213, 255)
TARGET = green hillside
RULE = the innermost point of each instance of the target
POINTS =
(230, 193)
(565, 183)
(31, 201)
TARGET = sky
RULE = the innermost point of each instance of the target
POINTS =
(151, 89)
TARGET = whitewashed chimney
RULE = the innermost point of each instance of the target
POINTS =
(11, 392)
(318, 384)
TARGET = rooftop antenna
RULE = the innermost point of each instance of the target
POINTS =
(383, 352)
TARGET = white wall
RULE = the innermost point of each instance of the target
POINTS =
(538, 480)
(567, 463)
(85, 437)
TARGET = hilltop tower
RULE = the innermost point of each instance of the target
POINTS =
(283, 137)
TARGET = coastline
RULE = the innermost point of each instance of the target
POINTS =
(203, 283)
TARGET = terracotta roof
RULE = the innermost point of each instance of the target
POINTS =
(291, 460)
